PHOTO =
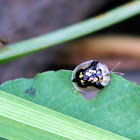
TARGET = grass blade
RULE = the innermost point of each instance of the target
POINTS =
(15, 130)
(17, 111)
(80, 29)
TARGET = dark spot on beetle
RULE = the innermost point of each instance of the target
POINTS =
(31, 91)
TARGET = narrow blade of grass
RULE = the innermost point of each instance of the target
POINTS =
(14, 110)
(77, 30)
(15, 130)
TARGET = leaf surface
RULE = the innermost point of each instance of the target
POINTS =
(116, 108)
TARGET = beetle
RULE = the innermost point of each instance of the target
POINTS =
(90, 76)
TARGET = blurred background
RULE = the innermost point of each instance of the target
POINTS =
(20, 20)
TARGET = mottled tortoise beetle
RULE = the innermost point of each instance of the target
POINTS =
(90, 76)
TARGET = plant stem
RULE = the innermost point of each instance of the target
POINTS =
(77, 30)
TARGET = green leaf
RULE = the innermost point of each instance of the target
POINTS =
(116, 108)
(94, 24)
(21, 119)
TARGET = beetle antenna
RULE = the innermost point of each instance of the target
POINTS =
(119, 73)
(117, 65)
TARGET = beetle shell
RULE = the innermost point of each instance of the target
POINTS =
(90, 76)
